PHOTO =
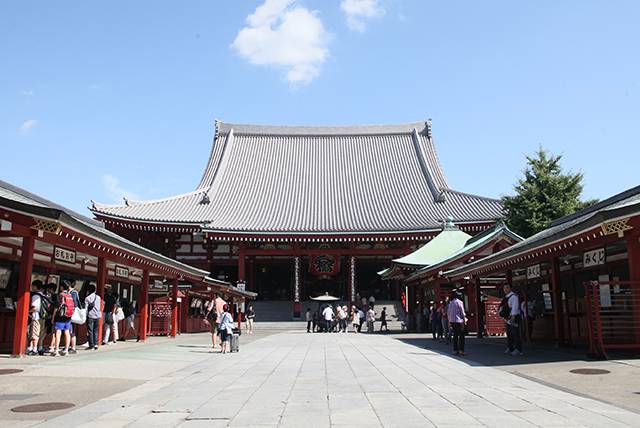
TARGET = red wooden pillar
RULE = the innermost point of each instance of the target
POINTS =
(174, 308)
(24, 287)
(556, 301)
(101, 281)
(144, 305)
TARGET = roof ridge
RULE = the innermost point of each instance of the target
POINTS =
(473, 195)
(357, 129)
(95, 205)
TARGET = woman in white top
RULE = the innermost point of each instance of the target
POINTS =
(226, 329)
(355, 319)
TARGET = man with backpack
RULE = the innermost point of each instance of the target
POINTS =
(92, 302)
(48, 306)
(510, 311)
(35, 324)
(62, 319)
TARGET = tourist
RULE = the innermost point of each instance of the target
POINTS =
(212, 320)
(314, 320)
(129, 321)
(111, 305)
(92, 303)
(35, 326)
(444, 321)
(371, 318)
(383, 319)
(436, 324)
(363, 302)
(77, 304)
(219, 304)
(62, 320)
(457, 320)
(225, 328)
(51, 301)
(510, 310)
(343, 316)
(309, 318)
(361, 317)
(355, 319)
(372, 301)
(249, 316)
(327, 314)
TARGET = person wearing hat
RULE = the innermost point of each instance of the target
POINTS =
(457, 319)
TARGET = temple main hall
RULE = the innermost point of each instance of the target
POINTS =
(299, 211)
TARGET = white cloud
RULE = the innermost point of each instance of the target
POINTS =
(27, 126)
(282, 34)
(358, 11)
(114, 189)
(28, 92)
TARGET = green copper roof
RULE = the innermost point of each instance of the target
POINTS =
(445, 243)
(476, 242)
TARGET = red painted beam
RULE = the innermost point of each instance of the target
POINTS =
(174, 308)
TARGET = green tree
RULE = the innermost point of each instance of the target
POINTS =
(545, 193)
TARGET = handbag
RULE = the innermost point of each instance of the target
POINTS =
(119, 314)
(79, 316)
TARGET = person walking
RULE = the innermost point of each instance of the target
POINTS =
(436, 324)
(457, 319)
(212, 321)
(35, 325)
(371, 319)
(327, 314)
(250, 315)
(314, 321)
(361, 317)
(355, 319)
(92, 303)
(444, 321)
(226, 329)
(129, 321)
(309, 318)
(62, 320)
(510, 310)
(383, 319)
(78, 304)
(372, 301)
(111, 305)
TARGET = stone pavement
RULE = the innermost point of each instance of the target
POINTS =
(294, 379)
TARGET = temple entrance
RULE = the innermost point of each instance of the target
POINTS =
(274, 279)
(332, 285)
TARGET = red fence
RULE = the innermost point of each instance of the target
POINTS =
(494, 324)
(613, 315)
(159, 318)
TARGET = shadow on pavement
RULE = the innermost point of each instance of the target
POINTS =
(489, 351)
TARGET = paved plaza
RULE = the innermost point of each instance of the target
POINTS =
(290, 379)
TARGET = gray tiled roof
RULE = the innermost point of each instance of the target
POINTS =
(626, 203)
(326, 179)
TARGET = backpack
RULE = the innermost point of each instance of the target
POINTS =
(66, 305)
(46, 308)
(212, 316)
(505, 311)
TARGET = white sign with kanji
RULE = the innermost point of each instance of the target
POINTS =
(64, 255)
(533, 271)
(594, 258)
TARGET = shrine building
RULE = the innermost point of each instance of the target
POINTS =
(299, 211)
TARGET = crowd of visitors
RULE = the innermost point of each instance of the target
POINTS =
(338, 318)
(56, 311)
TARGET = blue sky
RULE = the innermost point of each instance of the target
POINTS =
(101, 99)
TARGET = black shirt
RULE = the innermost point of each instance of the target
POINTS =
(109, 303)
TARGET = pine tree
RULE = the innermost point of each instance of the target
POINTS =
(544, 194)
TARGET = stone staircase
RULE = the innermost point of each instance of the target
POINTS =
(277, 314)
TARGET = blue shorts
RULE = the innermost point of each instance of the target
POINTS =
(63, 325)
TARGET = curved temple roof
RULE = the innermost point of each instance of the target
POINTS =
(317, 180)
